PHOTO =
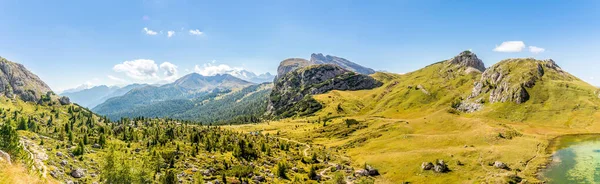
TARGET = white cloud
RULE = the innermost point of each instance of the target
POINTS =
(210, 69)
(170, 33)
(117, 79)
(536, 50)
(149, 32)
(195, 32)
(510, 46)
(170, 70)
(140, 69)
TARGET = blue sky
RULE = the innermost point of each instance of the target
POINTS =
(69, 43)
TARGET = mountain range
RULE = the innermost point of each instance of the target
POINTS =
(96, 95)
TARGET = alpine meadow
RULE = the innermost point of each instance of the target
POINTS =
(246, 92)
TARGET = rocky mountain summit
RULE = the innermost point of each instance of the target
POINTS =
(291, 93)
(469, 61)
(18, 82)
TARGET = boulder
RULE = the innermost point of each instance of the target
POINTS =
(441, 167)
(258, 179)
(427, 166)
(500, 165)
(295, 169)
(372, 171)
(97, 146)
(64, 100)
(77, 173)
(361, 172)
(4, 157)
(59, 154)
(63, 162)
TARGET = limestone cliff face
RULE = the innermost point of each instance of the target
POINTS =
(18, 82)
(291, 64)
(292, 92)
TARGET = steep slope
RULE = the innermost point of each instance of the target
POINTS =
(533, 90)
(186, 88)
(430, 89)
(17, 81)
(292, 93)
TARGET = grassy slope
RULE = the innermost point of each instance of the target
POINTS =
(402, 127)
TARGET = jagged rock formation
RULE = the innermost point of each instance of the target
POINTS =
(17, 81)
(508, 80)
(469, 61)
(344, 63)
(292, 92)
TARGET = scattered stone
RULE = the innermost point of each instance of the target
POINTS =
(427, 166)
(77, 173)
(361, 172)
(59, 154)
(97, 146)
(63, 162)
(441, 167)
(372, 171)
(295, 169)
(4, 156)
(258, 179)
(64, 100)
(500, 165)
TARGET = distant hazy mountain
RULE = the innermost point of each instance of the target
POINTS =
(292, 64)
(187, 87)
(98, 94)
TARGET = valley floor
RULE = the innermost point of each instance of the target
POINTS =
(398, 146)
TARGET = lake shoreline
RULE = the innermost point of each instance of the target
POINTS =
(557, 143)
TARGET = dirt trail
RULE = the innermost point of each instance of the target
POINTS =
(36, 153)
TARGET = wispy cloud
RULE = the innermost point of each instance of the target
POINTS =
(195, 32)
(510, 46)
(149, 32)
(170, 33)
(536, 50)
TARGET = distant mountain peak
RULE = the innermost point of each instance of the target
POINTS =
(468, 59)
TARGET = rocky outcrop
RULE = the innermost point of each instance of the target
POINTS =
(469, 61)
(344, 63)
(77, 173)
(508, 81)
(4, 157)
(17, 81)
(291, 93)
(501, 165)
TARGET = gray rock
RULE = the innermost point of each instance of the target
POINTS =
(63, 162)
(372, 171)
(500, 165)
(427, 166)
(361, 172)
(295, 169)
(64, 100)
(468, 59)
(5, 157)
(97, 146)
(77, 173)
(59, 154)
(441, 167)
(258, 179)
